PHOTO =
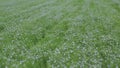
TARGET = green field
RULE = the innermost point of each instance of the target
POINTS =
(59, 33)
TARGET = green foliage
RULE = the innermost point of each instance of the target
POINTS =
(59, 34)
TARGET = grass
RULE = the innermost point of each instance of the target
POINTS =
(59, 34)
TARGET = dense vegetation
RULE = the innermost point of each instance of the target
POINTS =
(59, 33)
